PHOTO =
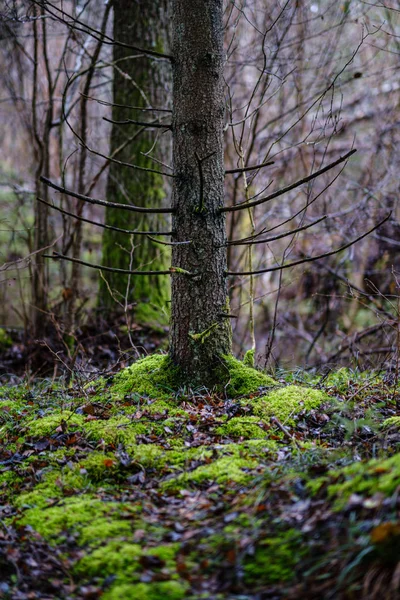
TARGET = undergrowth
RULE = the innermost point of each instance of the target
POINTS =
(129, 487)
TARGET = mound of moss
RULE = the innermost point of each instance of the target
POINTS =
(157, 377)
(244, 380)
(362, 478)
(287, 402)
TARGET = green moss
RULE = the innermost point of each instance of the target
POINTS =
(243, 380)
(121, 559)
(248, 359)
(47, 425)
(84, 476)
(287, 402)
(365, 479)
(221, 470)
(344, 378)
(391, 422)
(41, 495)
(71, 514)
(167, 408)
(275, 559)
(9, 484)
(100, 466)
(114, 430)
(116, 557)
(102, 529)
(154, 376)
(246, 427)
(173, 590)
(5, 340)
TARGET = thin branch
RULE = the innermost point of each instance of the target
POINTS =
(356, 338)
(362, 292)
(141, 108)
(285, 431)
(168, 243)
(251, 168)
(97, 224)
(309, 258)
(12, 263)
(57, 256)
(94, 32)
(129, 207)
(140, 123)
(246, 205)
(252, 241)
(129, 165)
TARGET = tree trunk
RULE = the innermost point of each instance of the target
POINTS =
(41, 139)
(200, 333)
(140, 82)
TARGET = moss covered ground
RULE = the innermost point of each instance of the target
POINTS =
(128, 487)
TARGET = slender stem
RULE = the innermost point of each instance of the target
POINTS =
(97, 224)
(251, 241)
(139, 209)
(309, 258)
(251, 168)
(94, 32)
(140, 123)
(245, 205)
(56, 255)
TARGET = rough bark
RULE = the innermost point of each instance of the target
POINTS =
(138, 82)
(200, 333)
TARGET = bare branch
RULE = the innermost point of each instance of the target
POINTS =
(140, 123)
(309, 258)
(129, 207)
(129, 165)
(251, 168)
(168, 243)
(106, 39)
(97, 224)
(251, 241)
(141, 108)
(57, 256)
(246, 205)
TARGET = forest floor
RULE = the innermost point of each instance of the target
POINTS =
(121, 488)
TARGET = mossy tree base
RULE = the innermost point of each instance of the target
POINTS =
(156, 376)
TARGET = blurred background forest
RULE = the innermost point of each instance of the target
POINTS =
(306, 81)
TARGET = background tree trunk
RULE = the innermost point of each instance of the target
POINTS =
(200, 333)
(41, 139)
(140, 82)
